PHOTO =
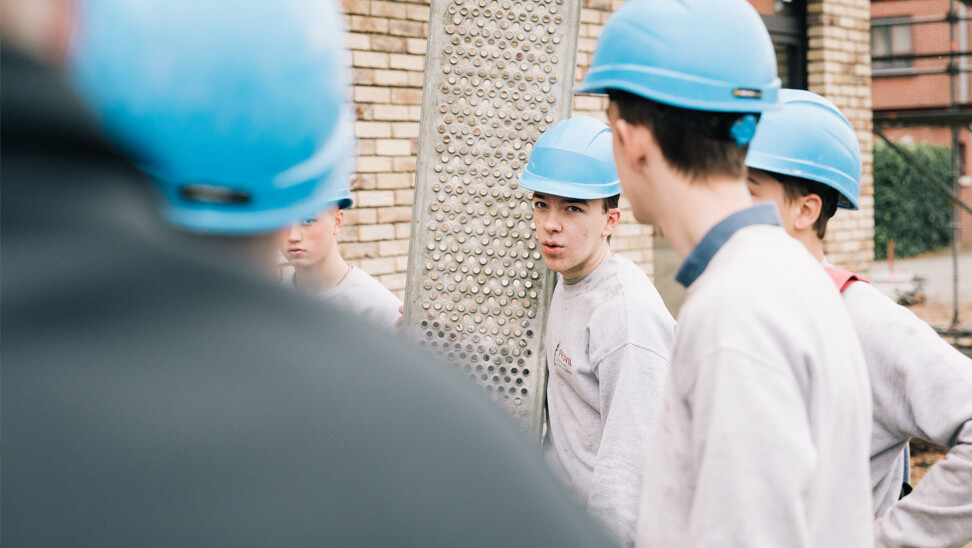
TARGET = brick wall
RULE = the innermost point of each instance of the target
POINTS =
(388, 43)
(839, 68)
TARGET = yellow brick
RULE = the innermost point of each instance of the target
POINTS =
(393, 147)
(391, 78)
(372, 129)
(393, 10)
(360, 23)
(394, 181)
(407, 62)
(404, 197)
(371, 233)
(369, 59)
(376, 198)
(395, 214)
(370, 94)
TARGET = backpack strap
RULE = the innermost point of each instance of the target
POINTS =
(843, 278)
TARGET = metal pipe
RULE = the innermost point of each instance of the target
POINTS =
(956, 173)
(912, 56)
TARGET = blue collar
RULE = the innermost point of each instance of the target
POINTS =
(698, 259)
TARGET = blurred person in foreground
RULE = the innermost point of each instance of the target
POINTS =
(155, 397)
(311, 248)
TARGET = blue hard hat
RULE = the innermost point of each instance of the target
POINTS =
(573, 159)
(809, 138)
(341, 197)
(710, 55)
(239, 111)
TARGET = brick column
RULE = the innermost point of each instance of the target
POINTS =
(839, 68)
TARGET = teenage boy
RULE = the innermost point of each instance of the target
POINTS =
(311, 247)
(763, 438)
(609, 335)
(806, 159)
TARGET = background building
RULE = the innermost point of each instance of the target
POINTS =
(913, 80)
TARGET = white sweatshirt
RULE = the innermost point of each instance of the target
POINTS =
(763, 441)
(609, 338)
(921, 387)
(365, 296)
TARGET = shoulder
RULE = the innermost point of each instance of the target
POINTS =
(630, 310)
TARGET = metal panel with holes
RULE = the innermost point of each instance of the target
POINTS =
(498, 73)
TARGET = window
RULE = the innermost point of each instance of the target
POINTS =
(889, 39)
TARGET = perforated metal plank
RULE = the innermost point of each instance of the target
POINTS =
(498, 73)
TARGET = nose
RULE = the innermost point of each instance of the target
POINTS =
(293, 233)
(551, 222)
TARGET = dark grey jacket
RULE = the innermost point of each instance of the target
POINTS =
(152, 399)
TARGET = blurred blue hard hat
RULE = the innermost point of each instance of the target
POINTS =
(709, 55)
(239, 110)
(809, 138)
(573, 159)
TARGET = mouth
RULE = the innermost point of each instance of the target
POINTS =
(550, 248)
(295, 251)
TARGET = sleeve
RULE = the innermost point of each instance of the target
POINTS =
(924, 388)
(630, 383)
(752, 453)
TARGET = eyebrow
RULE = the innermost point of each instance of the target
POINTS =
(539, 196)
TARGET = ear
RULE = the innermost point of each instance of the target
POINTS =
(635, 145)
(807, 212)
(338, 221)
(611, 224)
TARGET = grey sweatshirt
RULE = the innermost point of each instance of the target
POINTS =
(608, 341)
(921, 387)
(763, 441)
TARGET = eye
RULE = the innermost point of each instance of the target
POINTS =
(309, 221)
(574, 209)
(539, 205)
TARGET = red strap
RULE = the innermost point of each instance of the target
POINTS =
(843, 278)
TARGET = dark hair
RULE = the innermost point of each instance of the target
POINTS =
(795, 188)
(611, 202)
(695, 143)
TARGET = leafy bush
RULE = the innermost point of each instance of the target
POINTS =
(907, 208)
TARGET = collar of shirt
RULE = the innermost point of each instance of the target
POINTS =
(698, 259)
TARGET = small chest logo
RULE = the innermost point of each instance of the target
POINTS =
(562, 360)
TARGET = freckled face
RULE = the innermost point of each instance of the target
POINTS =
(570, 232)
(311, 241)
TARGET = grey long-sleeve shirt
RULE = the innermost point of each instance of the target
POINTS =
(921, 387)
(609, 338)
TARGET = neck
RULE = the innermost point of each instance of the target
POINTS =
(577, 274)
(813, 244)
(320, 277)
(694, 207)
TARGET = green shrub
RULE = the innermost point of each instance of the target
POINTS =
(907, 208)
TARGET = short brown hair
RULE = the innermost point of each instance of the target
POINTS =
(795, 188)
(696, 143)
(611, 202)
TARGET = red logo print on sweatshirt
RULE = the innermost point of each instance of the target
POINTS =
(562, 360)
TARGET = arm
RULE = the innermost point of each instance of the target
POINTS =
(630, 381)
(752, 452)
(924, 390)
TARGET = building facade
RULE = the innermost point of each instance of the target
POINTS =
(915, 86)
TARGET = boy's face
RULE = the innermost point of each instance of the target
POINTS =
(764, 188)
(572, 233)
(311, 241)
